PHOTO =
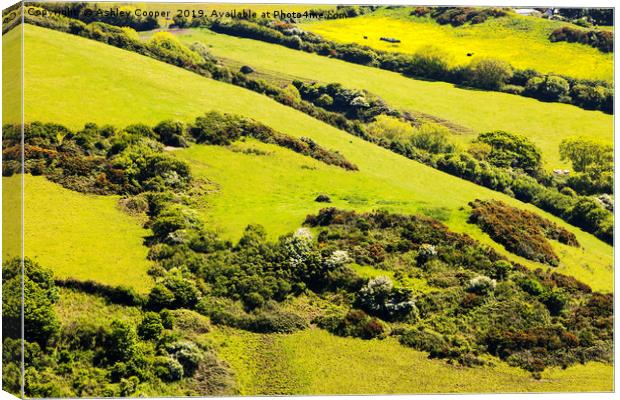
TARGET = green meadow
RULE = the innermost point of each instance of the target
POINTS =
(77, 235)
(519, 40)
(71, 80)
(473, 111)
(314, 361)
(119, 87)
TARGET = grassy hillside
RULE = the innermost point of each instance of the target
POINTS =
(522, 41)
(347, 365)
(119, 87)
(79, 236)
(546, 124)
(11, 76)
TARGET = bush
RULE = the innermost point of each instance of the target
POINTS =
(120, 342)
(549, 88)
(599, 39)
(323, 198)
(169, 49)
(151, 327)
(273, 321)
(429, 62)
(187, 354)
(512, 151)
(481, 285)
(424, 340)
(380, 298)
(356, 323)
(171, 133)
(585, 154)
(39, 320)
(488, 73)
(168, 369)
(433, 138)
(521, 232)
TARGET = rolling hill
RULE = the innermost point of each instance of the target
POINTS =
(71, 80)
(522, 41)
(546, 124)
(147, 91)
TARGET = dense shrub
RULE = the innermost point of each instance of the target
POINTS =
(150, 327)
(429, 62)
(380, 298)
(187, 354)
(355, 323)
(457, 16)
(267, 319)
(599, 39)
(222, 129)
(353, 104)
(39, 295)
(521, 232)
(549, 88)
(168, 369)
(488, 73)
(171, 133)
(510, 150)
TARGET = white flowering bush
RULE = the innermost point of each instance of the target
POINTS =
(379, 297)
(481, 285)
(337, 259)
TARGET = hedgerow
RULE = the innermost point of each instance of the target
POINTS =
(594, 220)
(599, 39)
(487, 74)
(104, 160)
(457, 16)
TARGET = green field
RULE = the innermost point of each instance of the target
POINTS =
(119, 87)
(314, 361)
(519, 40)
(72, 80)
(79, 236)
(546, 124)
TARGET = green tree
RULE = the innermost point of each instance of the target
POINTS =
(510, 150)
(120, 341)
(39, 294)
(585, 153)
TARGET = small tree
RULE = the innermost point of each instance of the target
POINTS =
(585, 153)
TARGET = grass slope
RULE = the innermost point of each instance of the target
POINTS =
(119, 87)
(79, 236)
(347, 366)
(546, 124)
(12, 76)
(520, 40)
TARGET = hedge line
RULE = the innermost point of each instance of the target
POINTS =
(602, 40)
(491, 75)
(582, 212)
